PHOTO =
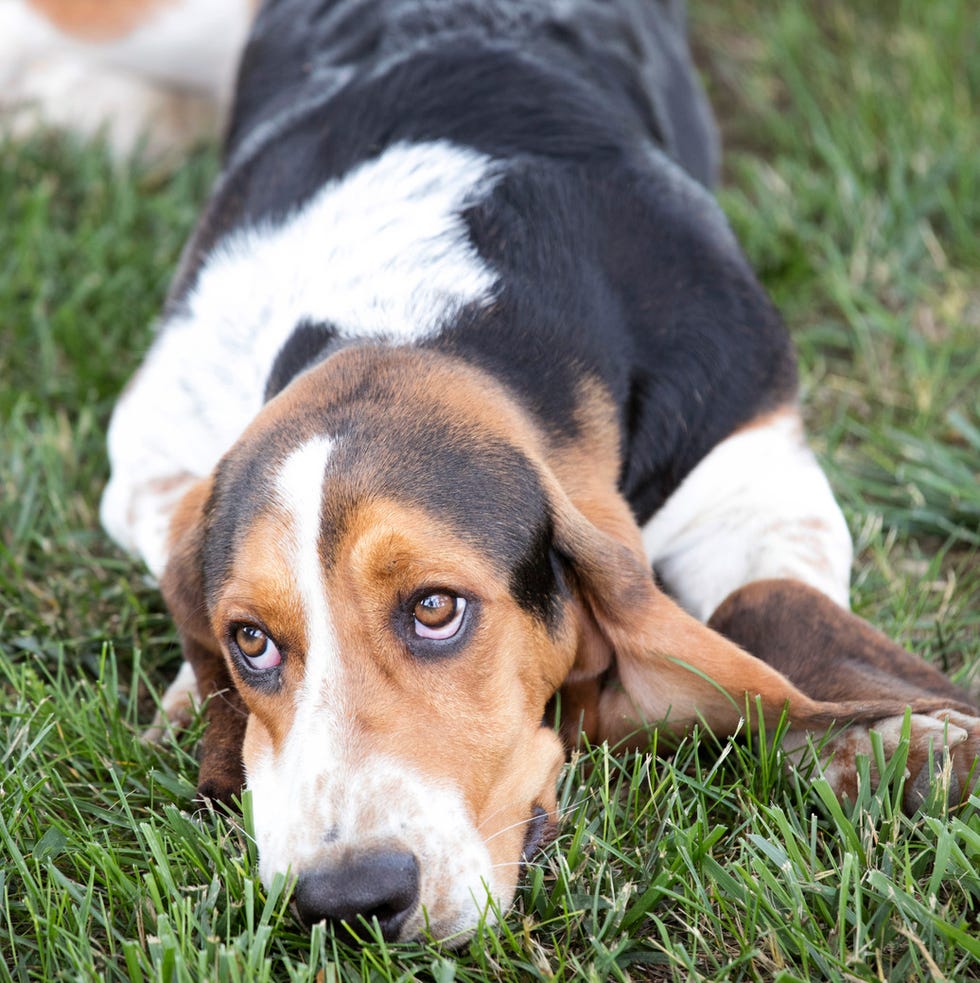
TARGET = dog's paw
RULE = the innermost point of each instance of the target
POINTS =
(943, 752)
(950, 757)
(177, 706)
(133, 115)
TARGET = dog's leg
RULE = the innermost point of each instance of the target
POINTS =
(641, 660)
(137, 508)
(757, 507)
(832, 655)
(164, 438)
(141, 496)
(177, 705)
(754, 540)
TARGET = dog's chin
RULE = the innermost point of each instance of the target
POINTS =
(541, 828)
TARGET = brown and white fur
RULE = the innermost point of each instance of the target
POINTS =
(149, 75)
(347, 421)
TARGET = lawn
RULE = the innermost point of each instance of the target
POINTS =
(853, 179)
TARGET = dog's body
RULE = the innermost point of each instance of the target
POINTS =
(462, 346)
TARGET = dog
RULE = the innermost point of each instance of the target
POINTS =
(465, 404)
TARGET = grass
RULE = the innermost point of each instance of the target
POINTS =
(853, 178)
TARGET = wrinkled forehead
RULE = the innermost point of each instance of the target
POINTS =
(316, 471)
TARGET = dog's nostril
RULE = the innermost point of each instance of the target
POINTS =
(381, 884)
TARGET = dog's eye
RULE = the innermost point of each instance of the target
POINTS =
(439, 615)
(258, 649)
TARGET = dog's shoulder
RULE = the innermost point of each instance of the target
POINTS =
(628, 276)
(323, 88)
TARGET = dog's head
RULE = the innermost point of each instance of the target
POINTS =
(381, 563)
(397, 571)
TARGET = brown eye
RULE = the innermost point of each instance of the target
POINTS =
(439, 615)
(256, 646)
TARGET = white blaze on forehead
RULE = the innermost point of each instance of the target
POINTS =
(299, 491)
(284, 785)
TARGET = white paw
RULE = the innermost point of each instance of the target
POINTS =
(955, 758)
(177, 706)
(89, 100)
(943, 747)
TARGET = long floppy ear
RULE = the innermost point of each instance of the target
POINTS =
(667, 668)
(828, 651)
(221, 774)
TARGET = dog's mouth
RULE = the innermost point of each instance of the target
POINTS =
(540, 831)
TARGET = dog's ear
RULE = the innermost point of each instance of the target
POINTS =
(221, 773)
(662, 665)
(182, 583)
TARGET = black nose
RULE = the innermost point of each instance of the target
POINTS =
(382, 884)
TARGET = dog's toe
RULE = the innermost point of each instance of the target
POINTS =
(942, 754)
(947, 760)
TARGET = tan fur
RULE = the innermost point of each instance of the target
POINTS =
(468, 720)
(670, 668)
(623, 654)
(98, 20)
(261, 590)
(793, 627)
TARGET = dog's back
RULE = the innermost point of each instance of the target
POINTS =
(519, 75)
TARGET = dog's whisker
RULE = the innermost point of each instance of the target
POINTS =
(523, 864)
(558, 816)
(496, 812)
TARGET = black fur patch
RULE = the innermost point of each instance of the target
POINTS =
(307, 345)
(482, 487)
(612, 264)
(645, 294)
(537, 580)
(388, 445)
(324, 87)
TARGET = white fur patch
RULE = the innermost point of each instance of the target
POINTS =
(380, 253)
(942, 747)
(191, 44)
(322, 793)
(177, 705)
(310, 806)
(757, 506)
(159, 87)
(130, 114)
(299, 489)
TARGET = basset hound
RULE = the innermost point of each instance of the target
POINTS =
(465, 404)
